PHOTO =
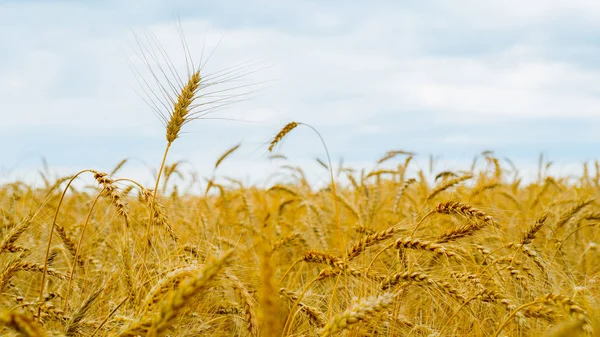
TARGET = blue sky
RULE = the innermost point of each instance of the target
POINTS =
(448, 79)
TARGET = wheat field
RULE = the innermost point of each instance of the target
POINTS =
(374, 253)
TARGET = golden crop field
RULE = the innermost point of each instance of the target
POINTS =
(376, 253)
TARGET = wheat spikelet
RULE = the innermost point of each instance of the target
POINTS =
(574, 310)
(285, 241)
(378, 173)
(330, 271)
(517, 275)
(168, 282)
(283, 206)
(111, 190)
(531, 233)
(369, 240)
(324, 258)
(417, 277)
(18, 265)
(47, 312)
(592, 217)
(337, 265)
(359, 311)
(460, 232)
(530, 253)
(391, 281)
(466, 229)
(447, 185)
(13, 235)
(444, 175)
(513, 266)
(233, 309)
(39, 268)
(180, 114)
(226, 154)
(159, 213)
(118, 167)
(283, 188)
(483, 188)
(75, 322)
(353, 181)
(401, 193)
(248, 303)
(549, 181)
(130, 281)
(489, 295)
(541, 311)
(364, 230)
(14, 249)
(68, 243)
(455, 207)
(52, 256)
(286, 129)
(169, 171)
(391, 154)
(315, 316)
(572, 212)
(411, 243)
(560, 301)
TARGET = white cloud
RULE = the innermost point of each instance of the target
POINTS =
(387, 71)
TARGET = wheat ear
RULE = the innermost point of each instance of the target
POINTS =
(572, 212)
(168, 282)
(281, 134)
(226, 154)
(448, 184)
(158, 211)
(21, 323)
(249, 305)
(176, 301)
(14, 234)
(359, 311)
(531, 233)
(421, 278)
(181, 109)
(557, 300)
(111, 190)
(315, 316)
(369, 240)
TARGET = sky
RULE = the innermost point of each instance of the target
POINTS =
(439, 78)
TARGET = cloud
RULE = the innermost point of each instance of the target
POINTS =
(439, 78)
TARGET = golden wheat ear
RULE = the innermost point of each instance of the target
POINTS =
(21, 323)
(181, 109)
(281, 134)
(361, 310)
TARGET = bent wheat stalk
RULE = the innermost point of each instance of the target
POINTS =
(62, 197)
(279, 137)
